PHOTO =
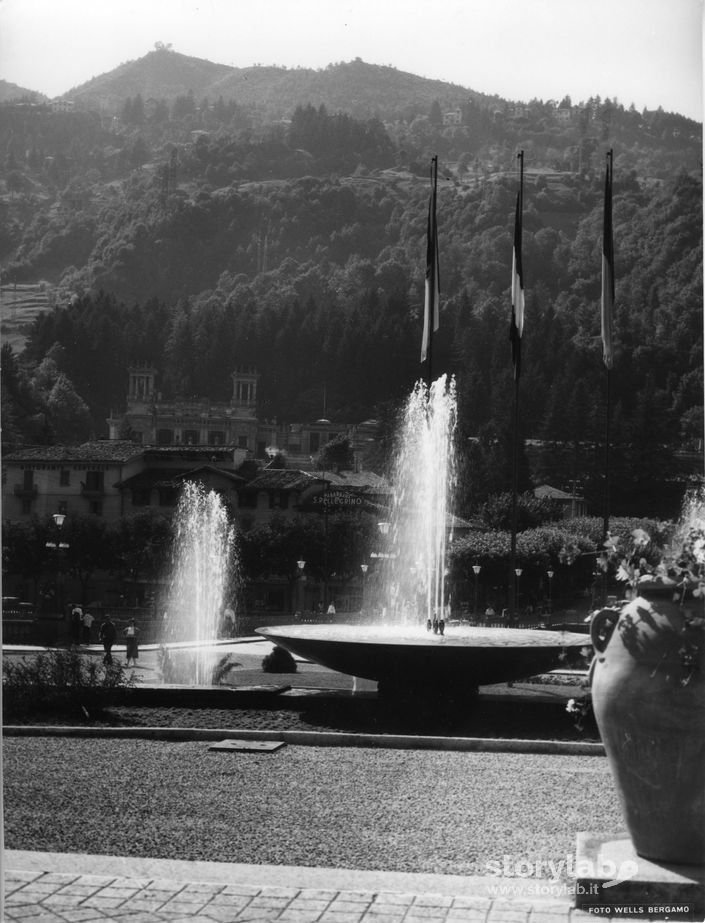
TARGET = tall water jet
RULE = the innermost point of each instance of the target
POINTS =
(203, 562)
(412, 577)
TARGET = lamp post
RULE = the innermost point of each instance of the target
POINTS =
(363, 568)
(476, 570)
(518, 571)
(58, 546)
(549, 574)
(301, 564)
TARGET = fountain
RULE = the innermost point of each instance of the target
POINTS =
(414, 654)
(202, 564)
(413, 568)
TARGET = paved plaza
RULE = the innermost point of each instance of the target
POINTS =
(66, 888)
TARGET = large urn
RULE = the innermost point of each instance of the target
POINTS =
(648, 694)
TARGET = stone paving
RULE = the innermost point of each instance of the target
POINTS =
(44, 893)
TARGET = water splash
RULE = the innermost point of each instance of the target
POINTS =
(203, 562)
(689, 535)
(413, 572)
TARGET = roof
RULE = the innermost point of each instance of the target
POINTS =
(358, 479)
(282, 479)
(167, 477)
(553, 493)
(104, 450)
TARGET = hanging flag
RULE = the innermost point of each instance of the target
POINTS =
(607, 307)
(516, 328)
(432, 289)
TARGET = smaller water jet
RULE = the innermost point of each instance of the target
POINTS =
(202, 575)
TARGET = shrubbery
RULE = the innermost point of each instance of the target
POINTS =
(279, 661)
(59, 681)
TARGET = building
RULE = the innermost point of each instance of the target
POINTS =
(150, 420)
(571, 504)
(453, 117)
(43, 480)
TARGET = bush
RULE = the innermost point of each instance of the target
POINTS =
(57, 681)
(279, 661)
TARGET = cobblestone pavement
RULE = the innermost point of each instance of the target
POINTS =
(45, 888)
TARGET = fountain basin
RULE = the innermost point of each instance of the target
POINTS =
(412, 659)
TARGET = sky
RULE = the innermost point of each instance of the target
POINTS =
(646, 52)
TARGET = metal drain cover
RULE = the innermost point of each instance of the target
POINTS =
(248, 746)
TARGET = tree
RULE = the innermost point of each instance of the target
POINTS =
(69, 416)
(336, 455)
(435, 114)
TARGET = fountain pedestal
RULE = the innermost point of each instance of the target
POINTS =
(409, 663)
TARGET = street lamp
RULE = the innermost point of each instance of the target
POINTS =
(518, 571)
(549, 574)
(476, 570)
(301, 564)
(58, 546)
(363, 568)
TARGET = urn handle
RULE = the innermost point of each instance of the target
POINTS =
(601, 627)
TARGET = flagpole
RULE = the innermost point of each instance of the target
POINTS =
(607, 312)
(516, 334)
(434, 193)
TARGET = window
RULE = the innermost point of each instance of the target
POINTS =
(191, 437)
(165, 436)
(314, 441)
(96, 507)
(141, 497)
(64, 477)
(216, 437)
(168, 496)
(94, 480)
(242, 442)
(278, 500)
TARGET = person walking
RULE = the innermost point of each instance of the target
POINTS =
(76, 624)
(229, 622)
(132, 653)
(106, 634)
(87, 625)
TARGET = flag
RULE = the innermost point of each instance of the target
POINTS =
(607, 306)
(432, 288)
(516, 328)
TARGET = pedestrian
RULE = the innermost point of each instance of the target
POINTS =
(87, 625)
(331, 610)
(106, 634)
(76, 624)
(229, 622)
(132, 652)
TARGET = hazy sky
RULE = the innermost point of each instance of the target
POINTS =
(646, 52)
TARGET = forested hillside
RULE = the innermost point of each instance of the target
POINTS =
(198, 234)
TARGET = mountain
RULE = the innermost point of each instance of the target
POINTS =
(363, 90)
(11, 92)
(360, 89)
(161, 74)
